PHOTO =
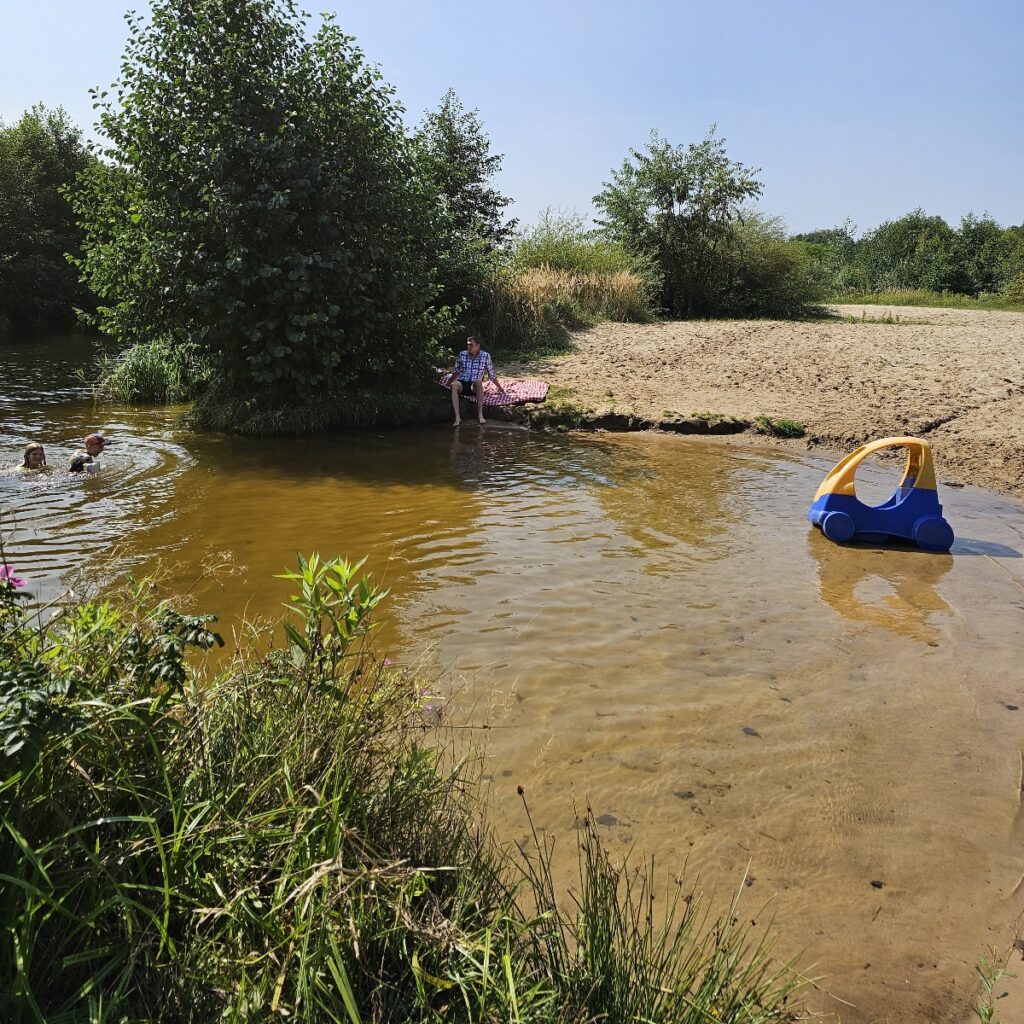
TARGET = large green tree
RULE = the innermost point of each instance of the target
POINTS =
(40, 154)
(456, 163)
(682, 205)
(259, 204)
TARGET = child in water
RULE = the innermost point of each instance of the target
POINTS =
(34, 461)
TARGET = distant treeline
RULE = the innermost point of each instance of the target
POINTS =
(921, 252)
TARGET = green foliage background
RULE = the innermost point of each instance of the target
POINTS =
(40, 155)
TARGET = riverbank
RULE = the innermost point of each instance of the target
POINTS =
(952, 376)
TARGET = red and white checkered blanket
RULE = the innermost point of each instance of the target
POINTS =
(517, 391)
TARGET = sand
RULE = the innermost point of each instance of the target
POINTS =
(954, 377)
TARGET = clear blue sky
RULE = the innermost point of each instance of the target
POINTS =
(862, 109)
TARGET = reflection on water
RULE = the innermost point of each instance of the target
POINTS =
(891, 588)
(646, 623)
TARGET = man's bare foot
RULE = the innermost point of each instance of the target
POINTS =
(480, 419)
(457, 423)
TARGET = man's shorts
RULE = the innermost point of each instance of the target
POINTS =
(467, 386)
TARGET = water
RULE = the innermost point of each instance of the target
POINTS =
(646, 625)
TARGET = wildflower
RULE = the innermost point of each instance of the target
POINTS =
(7, 576)
(387, 661)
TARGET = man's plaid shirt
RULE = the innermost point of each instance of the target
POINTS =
(474, 367)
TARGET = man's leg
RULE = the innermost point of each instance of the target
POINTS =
(478, 387)
(456, 391)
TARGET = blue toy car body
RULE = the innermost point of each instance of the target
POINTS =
(912, 513)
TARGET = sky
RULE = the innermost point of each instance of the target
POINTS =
(854, 110)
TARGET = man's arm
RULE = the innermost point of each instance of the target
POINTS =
(493, 375)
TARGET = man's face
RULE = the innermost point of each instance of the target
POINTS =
(473, 347)
(94, 445)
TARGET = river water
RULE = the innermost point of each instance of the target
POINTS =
(646, 625)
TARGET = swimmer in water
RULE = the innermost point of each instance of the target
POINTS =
(35, 460)
(85, 461)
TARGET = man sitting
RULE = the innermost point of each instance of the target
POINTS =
(469, 371)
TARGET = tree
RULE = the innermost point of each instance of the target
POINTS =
(39, 156)
(456, 159)
(681, 205)
(456, 163)
(915, 251)
(259, 204)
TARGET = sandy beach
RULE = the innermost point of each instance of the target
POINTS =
(954, 377)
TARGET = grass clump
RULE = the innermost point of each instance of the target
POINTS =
(722, 423)
(283, 839)
(778, 426)
(151, 372)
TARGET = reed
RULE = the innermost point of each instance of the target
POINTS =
(541, 305)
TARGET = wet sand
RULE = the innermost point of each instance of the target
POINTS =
(955, 377)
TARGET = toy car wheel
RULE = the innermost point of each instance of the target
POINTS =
(838, 526)
(933, 533)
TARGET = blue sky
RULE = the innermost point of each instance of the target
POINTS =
(851, 110)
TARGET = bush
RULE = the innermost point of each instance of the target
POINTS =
(260, 204)
(281, 840)
(1014, 290)
(561, 241)
(154, 372)
(685, 206)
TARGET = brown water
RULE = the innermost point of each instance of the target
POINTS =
(648, 625)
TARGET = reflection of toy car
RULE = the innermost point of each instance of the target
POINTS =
(912, 513)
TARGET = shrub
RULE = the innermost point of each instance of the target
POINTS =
(561, 241)
(685, 207)
(154, 372)
(281, 839)
(260, 203)
(1014, 290)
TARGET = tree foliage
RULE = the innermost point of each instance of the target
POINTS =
(920, 251)
(259, 205)
(40, 155)
(457, 166)
(456, 159)
(685, 206)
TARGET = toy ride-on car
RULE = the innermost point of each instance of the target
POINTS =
(912, 513)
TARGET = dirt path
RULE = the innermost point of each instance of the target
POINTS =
(955, 377)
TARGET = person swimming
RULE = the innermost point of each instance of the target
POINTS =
(34, 461)
(85, 461)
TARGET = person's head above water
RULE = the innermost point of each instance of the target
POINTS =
(95, 443)
(35, 456)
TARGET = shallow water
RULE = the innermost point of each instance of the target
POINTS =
(646, 624)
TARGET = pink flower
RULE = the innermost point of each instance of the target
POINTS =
(387, 661)
(7, 576)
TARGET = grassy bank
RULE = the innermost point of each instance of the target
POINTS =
(288, 837)
(920, 297)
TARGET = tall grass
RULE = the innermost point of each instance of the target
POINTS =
(286, 839)
(941, 300)
(541, 305)
(156, 371)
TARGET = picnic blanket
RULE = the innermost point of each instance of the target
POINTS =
(518, 391)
